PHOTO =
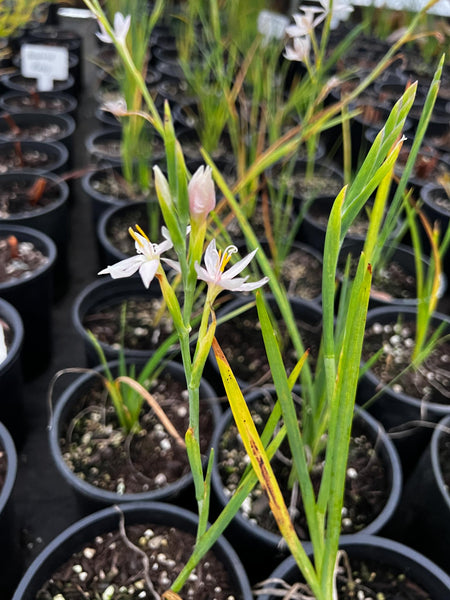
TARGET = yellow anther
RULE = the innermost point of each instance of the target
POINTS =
(133, 234)
(142, 233)
(225, 261)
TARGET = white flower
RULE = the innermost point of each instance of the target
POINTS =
(215, 263)
(121, 27)
(340, 11)
(305, 23)
(300, 49)
(146, 261)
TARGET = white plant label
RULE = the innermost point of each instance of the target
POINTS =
(272, 24)
(45, 64)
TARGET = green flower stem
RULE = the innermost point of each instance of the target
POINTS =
(95, 7)
(207, 540)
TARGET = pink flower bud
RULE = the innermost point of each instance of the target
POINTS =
(202, 195)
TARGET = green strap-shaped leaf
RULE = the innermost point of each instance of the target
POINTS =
(262, 467)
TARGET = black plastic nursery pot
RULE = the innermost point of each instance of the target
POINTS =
(324, 182)
(32, 296)
(46, 156)
(152, 514)
(73, 71)
(408, 419)
(106, 188)
(17, 82)
(11, 376)
(375, 551)
(115, 244)
(8, 553)
(106, 294)
(51, 217)
(394, 281)
(246, 530)
(436, 205)
(300, 271)
(28, 126)
(92, 497)
(241, 339)
(425, 506)
(16, 101)
(103, 146)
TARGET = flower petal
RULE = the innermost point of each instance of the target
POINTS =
(211, 258)
(163, 246)
(102, 35)
(203, 273)
(124, 268)
(148, 270)
(253, 285)
(121, 26)
(234, 285)
(173, 264)
(240, 265)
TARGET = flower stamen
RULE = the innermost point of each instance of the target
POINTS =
(225, 259)
(142, 232)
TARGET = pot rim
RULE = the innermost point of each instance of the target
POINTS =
(21, 174)
(61, 151)
(407, 251)
(7, 443)
(390, 458)
(103, 220)
(425, 196)
(106, 287)
(34, 578)
(10, 314)
(71, 101)
(97, 494)
(383, 546)
(66, 119)
(32, 235)
(436, 464)
(436, 407)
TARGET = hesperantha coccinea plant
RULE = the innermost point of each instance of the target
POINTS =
(203, 267)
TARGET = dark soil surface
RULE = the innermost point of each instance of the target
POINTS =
(38, 133)
(366, 580)
(126, 561)
(367, 487)
(35, 102)
(99, 452)
(428, 166)
(320, 184)
(110, 183)
(391, 281)
(147, 324)
(21, 196)
(430, 382)
(371, 580)
(117, 227)
(301, 275)
(18, 259)
(28, 159)
(241, 342)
